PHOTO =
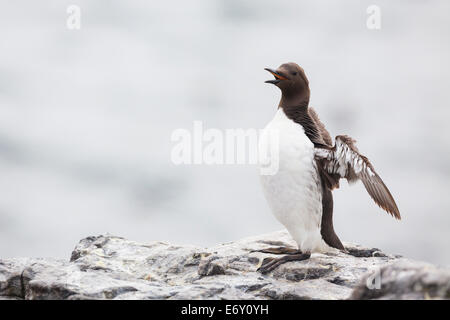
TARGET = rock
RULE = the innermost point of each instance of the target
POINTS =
(405, 279)
(109, 267)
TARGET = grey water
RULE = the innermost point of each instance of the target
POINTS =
(86, 117)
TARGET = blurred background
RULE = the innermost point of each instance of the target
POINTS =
(86, 117)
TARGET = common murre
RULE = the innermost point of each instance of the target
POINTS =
(310, 167)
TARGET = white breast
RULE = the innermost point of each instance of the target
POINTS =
(294, 193)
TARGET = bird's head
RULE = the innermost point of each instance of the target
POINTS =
(291, 80)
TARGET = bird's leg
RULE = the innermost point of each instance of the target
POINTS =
(274, 263)
(279, 250)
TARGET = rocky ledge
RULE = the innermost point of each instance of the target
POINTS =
(109, 267)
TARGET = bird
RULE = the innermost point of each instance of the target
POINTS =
(310, 167)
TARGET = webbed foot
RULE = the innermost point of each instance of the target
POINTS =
(272, 264)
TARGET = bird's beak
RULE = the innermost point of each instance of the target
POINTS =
(278, 76)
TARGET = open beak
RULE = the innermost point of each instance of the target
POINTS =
(278, 76)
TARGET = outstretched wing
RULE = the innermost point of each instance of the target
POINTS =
(344, 161)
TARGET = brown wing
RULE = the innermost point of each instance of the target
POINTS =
(323, 132)
(344, 161)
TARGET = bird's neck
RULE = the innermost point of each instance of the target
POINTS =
(296, 100)
(296, 109)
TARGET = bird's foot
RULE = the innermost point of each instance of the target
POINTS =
(279, 250)
(364, 252)
(270, 264)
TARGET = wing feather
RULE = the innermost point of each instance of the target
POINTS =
(344, 161)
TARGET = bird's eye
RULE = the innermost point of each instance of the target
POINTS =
(294, 73)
